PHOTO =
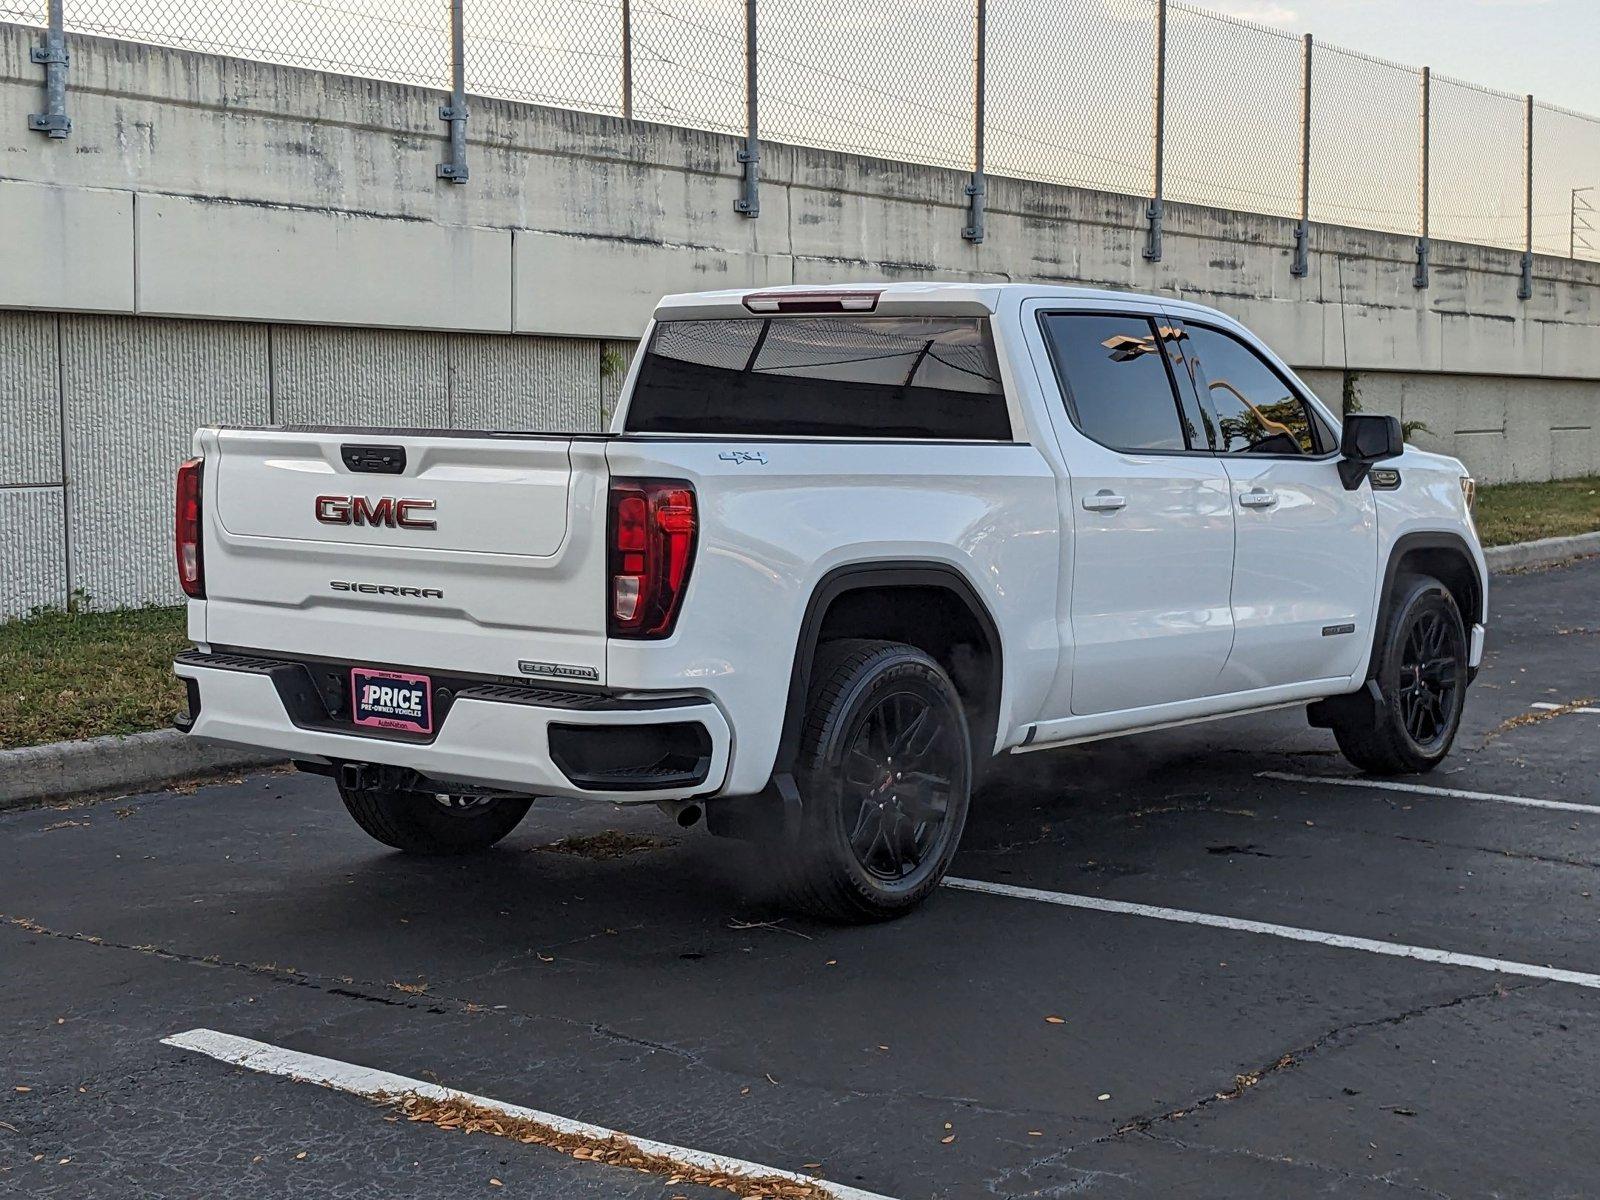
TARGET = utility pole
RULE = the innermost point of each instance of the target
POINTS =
(52, 56)
(1420, 279)
(749, 202)
(1302, 231)
(1525, 289)
(1154, 213)
(627, 60)
(976, 186)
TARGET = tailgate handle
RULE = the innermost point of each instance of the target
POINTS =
(374, 460)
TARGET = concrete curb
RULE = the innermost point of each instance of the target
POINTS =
(1541, 553)
(114, 766)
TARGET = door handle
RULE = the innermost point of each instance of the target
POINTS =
(1104, 500)
(1257, 497)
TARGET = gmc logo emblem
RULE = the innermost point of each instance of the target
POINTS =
(386, 511)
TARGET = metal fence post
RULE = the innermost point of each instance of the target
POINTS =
(1525, 288)
(627, 60)
(1153, 214)
(749, 201)
(1302, 232)
(455, 113)
(976, 188)
(52, 55)
(1420, 279)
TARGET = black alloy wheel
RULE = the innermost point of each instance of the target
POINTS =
(1429, 692)
(885, 776)
(1419, 665)
(898, 774)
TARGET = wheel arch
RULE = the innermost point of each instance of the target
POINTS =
(865, 578)
(1444, 555)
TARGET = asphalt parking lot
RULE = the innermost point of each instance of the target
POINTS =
(991, 1045)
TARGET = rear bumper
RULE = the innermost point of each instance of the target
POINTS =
(500, 738)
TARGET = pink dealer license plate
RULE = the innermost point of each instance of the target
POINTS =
(390, 700)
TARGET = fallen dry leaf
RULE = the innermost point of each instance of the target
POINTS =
(493, 1182)
(1056, 1020)
(1534, 718)
(616, 1151)
(612, 843)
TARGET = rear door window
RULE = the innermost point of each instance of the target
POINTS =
(1257, 410)
(1114, 380)
(822, 376)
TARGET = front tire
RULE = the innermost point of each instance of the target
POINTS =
(430, 824)
(1420, 667)
(885, 780)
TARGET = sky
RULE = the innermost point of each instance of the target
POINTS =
(1547, 47)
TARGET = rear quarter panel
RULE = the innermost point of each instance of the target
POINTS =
(776, 516)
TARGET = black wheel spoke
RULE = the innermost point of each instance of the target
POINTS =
(1428, 692)
(865, 831)
(899, 770)
(860, 768)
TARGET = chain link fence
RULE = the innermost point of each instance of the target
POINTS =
(1152, 98)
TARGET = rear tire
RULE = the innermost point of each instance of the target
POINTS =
(1420, 666)
(421, 823)
(885, 780)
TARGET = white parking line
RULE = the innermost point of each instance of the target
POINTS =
(373, 1084)
(1292, 933)
(1546, 704)
(1422, 789)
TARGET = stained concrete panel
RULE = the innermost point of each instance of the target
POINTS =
(213, 258)
(1327, 385)
(525, 382)
(1574, 452)
(596, 287)
(324, 376)
(135, 389)
(33, 550)
(30, 400)
(66, 248)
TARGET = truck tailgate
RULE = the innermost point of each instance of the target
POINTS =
(480, 554)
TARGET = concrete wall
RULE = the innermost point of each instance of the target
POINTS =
(95, 515)
(265, 243)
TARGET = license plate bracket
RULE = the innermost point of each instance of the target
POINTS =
(391, 700)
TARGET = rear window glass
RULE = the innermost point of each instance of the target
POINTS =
(824, 376)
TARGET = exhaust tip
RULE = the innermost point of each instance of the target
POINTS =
(689, 815)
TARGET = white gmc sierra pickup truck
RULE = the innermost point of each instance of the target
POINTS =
(838, 549)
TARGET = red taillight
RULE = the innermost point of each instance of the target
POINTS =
(186, 531)
(651, 547)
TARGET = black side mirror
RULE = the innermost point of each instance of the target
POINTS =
(1367, 439)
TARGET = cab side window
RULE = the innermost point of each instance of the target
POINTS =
(1257, 412)
(1114, 380)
